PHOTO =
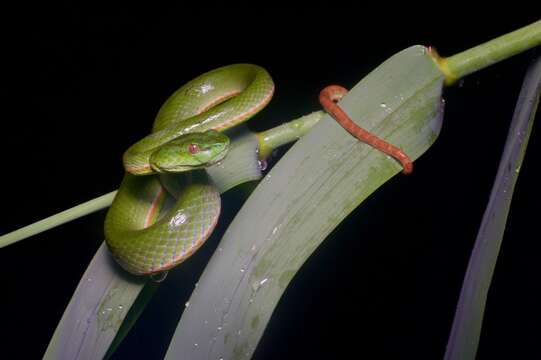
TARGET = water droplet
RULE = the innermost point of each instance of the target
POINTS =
(242, 269)
(187, 304)
(195, 344)
(262, 164)
(275, 230)
(106, 311)
(89, 279)
(256, 285)
(196, 285)
(517, 169)
(159, 276)
(239, 332)
(383, 105)
(254, 248)
(110, 314)
(219, 328)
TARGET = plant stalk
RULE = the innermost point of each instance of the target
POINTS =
(491, 52)
(286, 133)
(65, 216)
(268, 141)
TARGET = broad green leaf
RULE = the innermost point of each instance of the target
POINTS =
(318, 182)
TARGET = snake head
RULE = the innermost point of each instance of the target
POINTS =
(190, 151)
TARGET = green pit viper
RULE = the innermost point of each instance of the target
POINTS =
(186, 135)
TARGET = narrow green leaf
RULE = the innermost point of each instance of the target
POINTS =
(464, 338)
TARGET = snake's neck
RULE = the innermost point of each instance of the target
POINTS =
(137, 163)
(137, 158)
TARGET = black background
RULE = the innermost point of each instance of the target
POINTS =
(83, 83)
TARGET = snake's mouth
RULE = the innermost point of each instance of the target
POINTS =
(174, 168)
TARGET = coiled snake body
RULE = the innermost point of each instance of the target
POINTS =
(186, 135)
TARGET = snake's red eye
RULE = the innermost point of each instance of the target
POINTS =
(193, 148)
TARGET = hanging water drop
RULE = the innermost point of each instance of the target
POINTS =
(262, 164)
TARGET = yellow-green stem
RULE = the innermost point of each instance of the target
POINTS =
(286, 133)
(268, 141)
(491, 52)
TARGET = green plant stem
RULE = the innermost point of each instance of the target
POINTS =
(491, 52)
(286, 133)
(58, 219)
(268, 141)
